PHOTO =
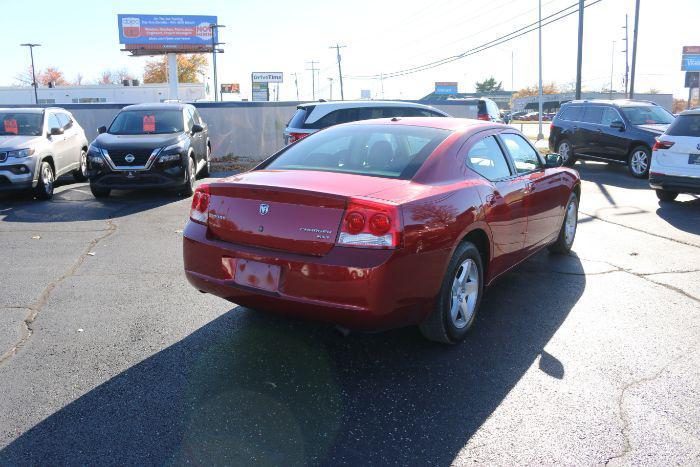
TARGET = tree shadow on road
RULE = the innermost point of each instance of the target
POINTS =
(251, 388)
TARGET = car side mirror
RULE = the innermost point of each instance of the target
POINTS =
(553, 160)
(102, 129)
(55, 131)
(618, 124)
(197, 128)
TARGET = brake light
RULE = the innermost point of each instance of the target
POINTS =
(199, 212)
(293, 137)
(662, 145)
(368, 224)
(484, 117)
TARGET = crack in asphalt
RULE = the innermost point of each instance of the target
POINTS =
(682, 242)
(37, 307)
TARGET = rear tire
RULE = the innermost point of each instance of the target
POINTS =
(98, 192)
(459, 297)
(664, 195)
(639, 161)
(567, 233)
(80, 175)
(45, 185)
(565, 147)
(206, 171)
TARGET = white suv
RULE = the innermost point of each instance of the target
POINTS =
(675, 161)
(37, 146)
(315, 116)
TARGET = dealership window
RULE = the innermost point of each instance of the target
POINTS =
(46, 101)
(89, 100)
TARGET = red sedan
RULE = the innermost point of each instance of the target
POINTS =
(374, 225)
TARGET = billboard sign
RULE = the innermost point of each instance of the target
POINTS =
(160, 32)
(267, 77)
(446, 88)
(233, 88)
(691, 50)
(692, 79)
(261, 92)
(690, 63)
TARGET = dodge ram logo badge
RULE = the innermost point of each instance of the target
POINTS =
(130, 158)
(264, 209)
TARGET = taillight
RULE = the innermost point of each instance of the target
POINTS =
(484, 117)
(368, 224)
(199, 212)
(662, 145)
(293, 137)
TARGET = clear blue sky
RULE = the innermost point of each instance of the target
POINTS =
(382, 36)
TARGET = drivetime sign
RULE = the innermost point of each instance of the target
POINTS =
(267, 77)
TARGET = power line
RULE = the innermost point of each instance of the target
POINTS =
(554, 17)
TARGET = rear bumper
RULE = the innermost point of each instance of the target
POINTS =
(659, 181)
(361, 289)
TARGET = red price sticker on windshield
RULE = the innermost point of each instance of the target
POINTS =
(149, 123)
(10, 126)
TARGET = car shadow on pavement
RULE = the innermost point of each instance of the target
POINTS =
(683, 215)
(251, 388)
(603, 173)
(76, 203)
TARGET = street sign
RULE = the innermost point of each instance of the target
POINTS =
(692, 79)
(233, 88)
(149, 34)
(266, 77)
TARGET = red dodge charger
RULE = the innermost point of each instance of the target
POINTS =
(383, 223)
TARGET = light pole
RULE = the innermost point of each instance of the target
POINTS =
(540, 135)
(634, 49)
(31, 55)
(213, 28)
(330, 83)
(579, 56)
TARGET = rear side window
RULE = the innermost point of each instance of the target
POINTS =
(299, 118)
(377, 150)
(593, 114)
(487, 159)
(685, 125)
(571, 113)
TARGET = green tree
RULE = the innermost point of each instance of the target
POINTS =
(489, 85)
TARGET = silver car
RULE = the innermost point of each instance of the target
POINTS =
(37, 146)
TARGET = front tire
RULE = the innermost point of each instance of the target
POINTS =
(639, 161)
(664, 195)
(80, 175)
(566, 151)
(567, 233)
(98, 192)
(206, 171)
(45, 185)
(188, 189)
(459, 297)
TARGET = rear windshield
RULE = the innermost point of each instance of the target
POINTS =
(354, 114)
(141, 122)
(685, 125)
(647, 115)
(21, 124)
(299, 117)
(389, 151)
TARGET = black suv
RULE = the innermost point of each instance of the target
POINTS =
(150, 146)
(620, 131)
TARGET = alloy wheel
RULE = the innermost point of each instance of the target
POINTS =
(464, 294)
(571, 223)
(47, 178)
(565, 152)
(639, 162)
(83, 163)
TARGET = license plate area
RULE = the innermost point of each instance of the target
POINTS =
(694, 159)
(253, 273)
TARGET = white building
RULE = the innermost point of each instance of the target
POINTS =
(100, 93)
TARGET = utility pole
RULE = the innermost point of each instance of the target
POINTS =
(296, 84)
(612, 68)
(214, 28)
(634, 48)
(579, 58)
(31, 55)
(337, 48)
(627, 57)
(313, 70)
(381, 79)
(512, 70)
(330, 83)
(540, 135)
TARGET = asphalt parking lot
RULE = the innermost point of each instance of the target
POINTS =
(108, 356)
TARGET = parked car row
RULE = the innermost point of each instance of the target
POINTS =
(145, 146)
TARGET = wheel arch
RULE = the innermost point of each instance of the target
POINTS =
(480, 236)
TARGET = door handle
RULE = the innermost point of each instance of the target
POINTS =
(529, 187)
